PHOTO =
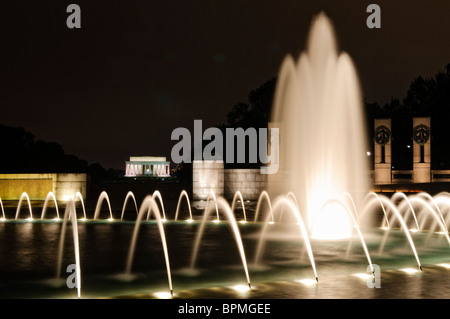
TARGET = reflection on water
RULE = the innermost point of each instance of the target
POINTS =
(28, 253)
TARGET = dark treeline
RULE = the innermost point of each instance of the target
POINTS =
(22, 153)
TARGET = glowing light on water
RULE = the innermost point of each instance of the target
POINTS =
(189, 220)
(162, 295)
(307, 282)
(216, 221)
(445, 265)
(363, 276)
(409, 270)
(241, 288)
(331, 223)
(111, 219)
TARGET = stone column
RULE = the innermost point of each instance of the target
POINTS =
(422, 150)
(382, 152)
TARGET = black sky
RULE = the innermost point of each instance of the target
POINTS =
(136, 70)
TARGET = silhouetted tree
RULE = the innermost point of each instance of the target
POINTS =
(21, 153)
(256, 112)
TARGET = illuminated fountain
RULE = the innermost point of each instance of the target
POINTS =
(238, 195)
(149, 206)
(431, 213)
(19, 206)
(103, 196)
(318, 109)
(183, 194)
(50, 196)
(3, 210)
(129, 195)
(70, 213)
(226, 209)
(158, 196)
(317, 213)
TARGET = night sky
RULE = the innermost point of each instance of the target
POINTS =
(136, 70)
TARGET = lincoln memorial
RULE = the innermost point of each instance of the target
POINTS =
(147, 166)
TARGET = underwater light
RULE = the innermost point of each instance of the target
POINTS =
(162, 295)
(241, 288)
(445, 265)
(409, 270)
(307, 281)
(363, 276)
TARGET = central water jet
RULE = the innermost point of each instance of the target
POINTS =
(318, 110)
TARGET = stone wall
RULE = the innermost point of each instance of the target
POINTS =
(250, 182)
(66, 185)
(210, 176)
(37, 186)
(207, 176)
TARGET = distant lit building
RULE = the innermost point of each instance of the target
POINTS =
(147, 166)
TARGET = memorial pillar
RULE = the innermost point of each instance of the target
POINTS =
(422, 150)
(382, 152)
